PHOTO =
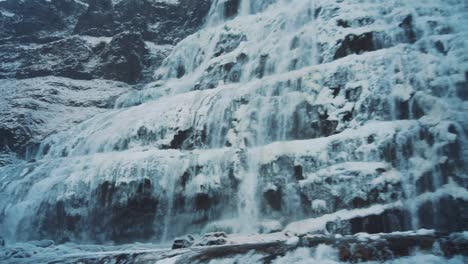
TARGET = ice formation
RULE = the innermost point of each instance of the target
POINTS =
(306, 112)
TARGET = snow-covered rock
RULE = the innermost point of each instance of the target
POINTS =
(32, 109)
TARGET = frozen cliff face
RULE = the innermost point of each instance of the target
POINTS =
(325, 116)
(32, 109)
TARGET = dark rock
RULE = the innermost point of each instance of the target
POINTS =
(408, 28)
(388, 221)
(298, 172)
(183, 140)
(183, 242)
(446, 214)
(123, 58)
(98, 19)
(203, 201)
(357, 44)
(274, 198)
(260, 71)
(231, 8)
(2, 242)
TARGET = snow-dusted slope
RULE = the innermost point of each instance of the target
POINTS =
(319, 116)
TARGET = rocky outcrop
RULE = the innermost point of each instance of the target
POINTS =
(123, 59)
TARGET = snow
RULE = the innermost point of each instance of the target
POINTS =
(317, 224)
(319, 205)
(391, 176)
(94, 41)
(293, 241)
(6, 13)
(323, 254)
(81, 3)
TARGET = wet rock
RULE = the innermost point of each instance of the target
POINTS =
(43, 243)
(2, 242)
(183, 242)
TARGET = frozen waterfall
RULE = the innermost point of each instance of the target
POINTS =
(277, 115)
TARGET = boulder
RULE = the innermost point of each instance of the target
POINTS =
(183, 242)
(43, 243)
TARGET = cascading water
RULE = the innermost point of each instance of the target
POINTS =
(275, 110)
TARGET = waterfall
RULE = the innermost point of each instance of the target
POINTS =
(304, 112)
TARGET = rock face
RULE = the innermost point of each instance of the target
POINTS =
(327, 120)
(164, 22)
(98, 39)
(32, 109)
(38, 21)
